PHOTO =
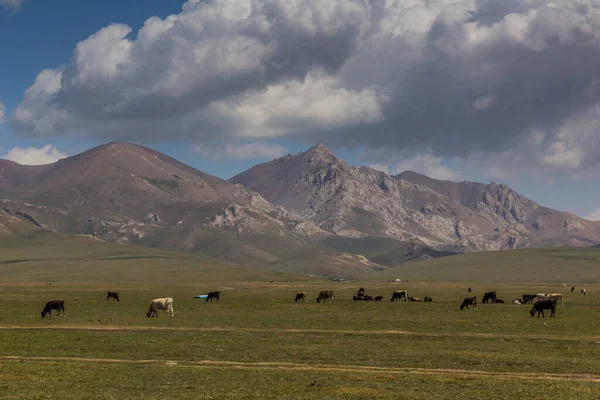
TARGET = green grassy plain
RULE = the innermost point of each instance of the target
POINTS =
(555, 265)
(256, 343)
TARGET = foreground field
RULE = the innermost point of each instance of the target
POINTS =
(257, 343)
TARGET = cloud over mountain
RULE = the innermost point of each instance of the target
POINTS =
(34, 156)
(511, 82)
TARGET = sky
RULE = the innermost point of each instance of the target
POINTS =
(477, 90)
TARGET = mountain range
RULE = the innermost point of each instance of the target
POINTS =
(309, 212)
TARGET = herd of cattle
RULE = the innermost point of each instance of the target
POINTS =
(546, 301)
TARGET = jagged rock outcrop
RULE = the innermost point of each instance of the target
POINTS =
(357, 202)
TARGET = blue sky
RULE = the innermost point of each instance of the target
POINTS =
(222, 88)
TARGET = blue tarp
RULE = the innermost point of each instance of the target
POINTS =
(202, 296)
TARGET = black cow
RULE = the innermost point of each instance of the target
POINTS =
(112, 295)
(469, 290)
(528, 298)
(499, 301)
(489, 296)
(427, 299)
(325, 294)
(300, 296)
(469, 301)
(361, 292)
(541, 305)
(214, 295)
(572, 289)
(368, 298)
(357, 298)
(378, 298)
(398, 294)
(58, 305)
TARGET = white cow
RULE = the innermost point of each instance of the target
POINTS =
(558, 297)
(165, 304)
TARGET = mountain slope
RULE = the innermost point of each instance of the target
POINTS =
(126, 193)
(13, 174)
(505, 207)
(359, 202)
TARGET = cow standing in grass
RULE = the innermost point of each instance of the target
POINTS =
(214, 295)
(398, 294)
(489, 296)
(112, 295)
(165, 304)
(528, 298)
(325, 294)
(58, 305)
(300, 296)
(469, 301)
(541, 305)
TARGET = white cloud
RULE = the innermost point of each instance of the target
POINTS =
(594, 215)
(33, 156)
(11, 4)
(2, 111)
(464, 79)
(242, 151)
(424, 163)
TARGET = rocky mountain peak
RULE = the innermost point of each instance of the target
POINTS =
(320, 155)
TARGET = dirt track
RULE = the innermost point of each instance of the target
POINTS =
(114, 328)
(595, 378)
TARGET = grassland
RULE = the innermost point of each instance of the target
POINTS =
(556, 265)
(256, 343)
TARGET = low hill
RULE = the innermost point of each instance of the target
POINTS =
(559, 265)
(42, 256)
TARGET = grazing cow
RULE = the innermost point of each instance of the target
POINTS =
(112, 295)
(165, 304)
(541, 305)
(469, 301)
(414, 298)
(325, 294)
(58, 305)
(517, 301)
(378, 298)
(214, 295)
(398, 294)
(427, 299)
(528, 298)
(361, 292)
(583, 293)
(572, 289)
(300, 296)
(489, 296)
(558, 297)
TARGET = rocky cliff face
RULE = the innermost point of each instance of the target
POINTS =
(360, 201)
